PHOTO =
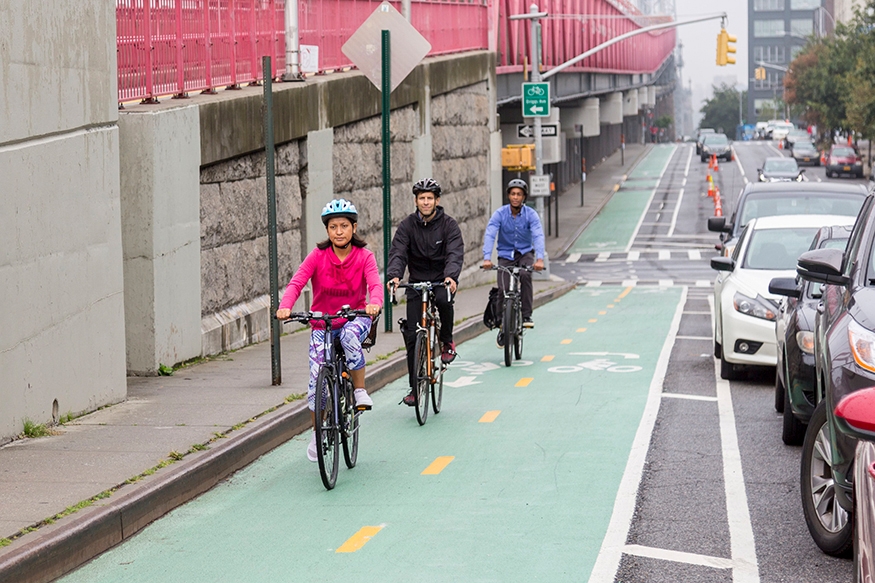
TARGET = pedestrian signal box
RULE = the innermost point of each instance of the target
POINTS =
(518, 157)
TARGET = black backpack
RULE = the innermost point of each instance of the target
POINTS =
(492, 313)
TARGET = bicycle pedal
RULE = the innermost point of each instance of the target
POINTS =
(362, 407)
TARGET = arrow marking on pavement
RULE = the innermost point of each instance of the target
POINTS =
(462, 382)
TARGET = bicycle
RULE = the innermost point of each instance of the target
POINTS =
(512, 329)
(337, 418)
(427, 361)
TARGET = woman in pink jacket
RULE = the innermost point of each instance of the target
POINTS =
(343, 273)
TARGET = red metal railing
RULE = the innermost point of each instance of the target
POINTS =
(168, 47)
(574, 26)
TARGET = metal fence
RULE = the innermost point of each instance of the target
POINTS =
(173, 47)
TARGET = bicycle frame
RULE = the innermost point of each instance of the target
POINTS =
(429, 322)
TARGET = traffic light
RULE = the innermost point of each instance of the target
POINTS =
(518, 157)
(724, 48)
(760, 73)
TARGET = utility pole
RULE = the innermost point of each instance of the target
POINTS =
(535, 15)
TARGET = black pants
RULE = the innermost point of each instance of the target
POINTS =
(446, 312)
(526, 289)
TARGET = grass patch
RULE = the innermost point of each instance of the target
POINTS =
(32, 429)
(165, 371)
(295, 397)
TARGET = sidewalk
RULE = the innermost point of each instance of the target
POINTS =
(110, 473)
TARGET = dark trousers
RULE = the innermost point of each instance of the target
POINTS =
(526, 289)
(446, 313)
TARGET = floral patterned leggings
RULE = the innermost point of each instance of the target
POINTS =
(351, 336)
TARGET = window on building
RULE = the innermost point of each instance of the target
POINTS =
(802, 26)
(765, 107)
(795, 50)
(763, 5)
(804, 4)
(767, 28)
(769, 54)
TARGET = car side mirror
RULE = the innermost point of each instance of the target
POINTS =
(822, 266)
(718, 225)
(722, 263)
(855, 414)
(785, 286)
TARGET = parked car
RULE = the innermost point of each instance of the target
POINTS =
(844, 356)
(781, 129)
(717, 145)
(805, 153)
(843, 160)
(795, 379)
(779, 169)
(855, 417)
(796, 135)
(763, 199)
(745, 311)
(700, 135)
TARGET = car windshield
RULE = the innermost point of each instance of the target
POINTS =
(844, 152)
(777, 248)
(803, 146)
(716, 139)
(768, 204)
(780, 165)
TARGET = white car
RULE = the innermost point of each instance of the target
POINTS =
(781, 129)
(744, 310)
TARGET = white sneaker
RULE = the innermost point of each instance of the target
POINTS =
(363, 400)
(311, 449)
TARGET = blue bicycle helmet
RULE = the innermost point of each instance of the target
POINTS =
(339, 207)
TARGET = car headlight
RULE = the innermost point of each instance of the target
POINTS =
(805, 341)
(758, 307)
(862, 343)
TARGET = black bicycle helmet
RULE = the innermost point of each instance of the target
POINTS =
(518, 183)
(339, 207)
(427, 185)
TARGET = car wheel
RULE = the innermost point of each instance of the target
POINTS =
(828, 174)
(727, 369)
(779, 393)
(831, 527)
(792, 430)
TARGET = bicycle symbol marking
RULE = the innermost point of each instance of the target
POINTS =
(597, 364)
(535, 90)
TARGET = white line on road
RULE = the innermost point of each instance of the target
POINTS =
(694, 254)
(738, 162)
(633, 256)
(602, 257)
(593, 283)
(677, 208)
(573, 258)
(741, 541)
(694, 337)
(666, 283)
(664, 255)
(650, 200)
(608, 560)
(629, 283)
(704, 283)
(689, 397)
(678, 557)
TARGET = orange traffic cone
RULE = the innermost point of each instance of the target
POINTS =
(716, 167)
(710, 162)
(711, 190)
(781, 145)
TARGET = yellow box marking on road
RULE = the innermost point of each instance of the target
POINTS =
(566, 341)
(625, 292)
(438, 465)
(602, 312)
(591, 320)
(581, 329)
(524, 382)
(610, 305)
(489, 416)
(547, 357)
(358, 540)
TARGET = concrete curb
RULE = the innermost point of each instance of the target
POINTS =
(76, 540)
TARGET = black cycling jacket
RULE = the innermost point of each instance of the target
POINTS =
(430, 251)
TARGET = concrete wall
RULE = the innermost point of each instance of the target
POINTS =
(62, 345)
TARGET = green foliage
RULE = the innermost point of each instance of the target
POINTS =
(165, 371)
(663, 121)
(721, 111)
(32, 429)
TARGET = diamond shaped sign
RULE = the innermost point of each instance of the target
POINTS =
(407, 46)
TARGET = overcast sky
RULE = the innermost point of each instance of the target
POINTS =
(700, 47)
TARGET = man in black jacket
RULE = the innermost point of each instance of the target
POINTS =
(429, 244)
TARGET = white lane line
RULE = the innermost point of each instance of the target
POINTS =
(608, 560)
(738, 163)
(593, 283)
(650, 200)
(704, 283)
(573, 258)
(602, 257)
(677, 209)
(633, 256)
(689, 397)
(629, 283)
(687, 168)
(664, 255)
(694, 255)
(679, 557)
(697, 313)
(741, 542)
(666, 283)
(694, 337)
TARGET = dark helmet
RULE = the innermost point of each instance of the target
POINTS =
(427, 185)
(518, 183)
(339, 208)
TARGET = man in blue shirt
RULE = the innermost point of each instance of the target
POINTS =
(520, 242)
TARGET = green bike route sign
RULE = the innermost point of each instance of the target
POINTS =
(536, 100)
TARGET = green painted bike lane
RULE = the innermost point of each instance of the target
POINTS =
(527, 496)
(613, 229)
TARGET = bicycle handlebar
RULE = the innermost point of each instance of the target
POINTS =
(514, 269)
(345, 312)
(421, 286)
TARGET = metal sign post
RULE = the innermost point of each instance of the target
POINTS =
(275, 325)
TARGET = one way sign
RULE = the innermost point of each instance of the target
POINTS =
(548, 130)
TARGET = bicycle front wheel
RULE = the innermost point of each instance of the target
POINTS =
(518, 336)
(326, 428)
(349, 433)
(423, 382)
(510, 332)
(437, 384)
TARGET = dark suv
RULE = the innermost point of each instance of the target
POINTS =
(844, 356)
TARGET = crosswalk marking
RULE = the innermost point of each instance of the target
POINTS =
(694, 254)
(629, 282)
(664, 254)
(573, 258)
(633, 256)
(666, 283)
(602, 257)
(661, 255)
(593, 283)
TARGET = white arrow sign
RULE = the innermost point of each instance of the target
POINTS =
(528, 130)
(462, 382)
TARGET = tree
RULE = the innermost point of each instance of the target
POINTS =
(663, 121)
(721, 111)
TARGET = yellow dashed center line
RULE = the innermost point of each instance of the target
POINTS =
(489, 416)
(358, 540)
(602, 312)
(547, 358)
(610, 305)
(581, 329)
(625, 292)
(566, 341)
(591, 320)
(438, 465)
(524, 382)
